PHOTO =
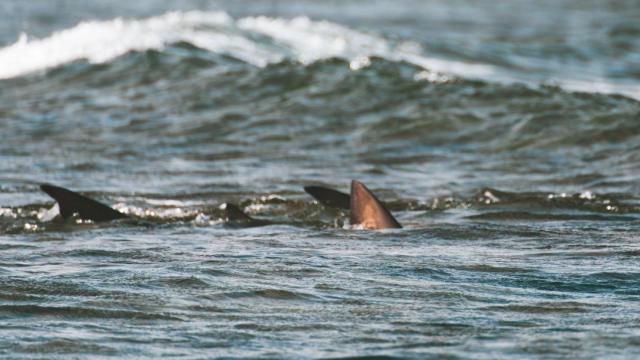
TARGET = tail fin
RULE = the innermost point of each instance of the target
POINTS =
(367, 211)
(71, 203)
(233, 213)
(329, 197)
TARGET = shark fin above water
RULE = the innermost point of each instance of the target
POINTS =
(70, 203)
(367, 211)
(233, 213)
(238, 218)
(329, 197)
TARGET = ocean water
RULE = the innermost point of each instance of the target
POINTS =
(503, 135)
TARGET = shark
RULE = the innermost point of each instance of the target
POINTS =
(233, 215)
(366, 211)
(72, 204)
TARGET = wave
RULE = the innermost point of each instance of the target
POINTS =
(258, 40)
(255, 40)
(81, 312)
(487, 204)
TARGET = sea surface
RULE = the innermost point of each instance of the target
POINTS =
(503, 135)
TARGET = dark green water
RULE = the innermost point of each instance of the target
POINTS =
(504, 136)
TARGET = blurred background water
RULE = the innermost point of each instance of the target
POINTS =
(502, 134)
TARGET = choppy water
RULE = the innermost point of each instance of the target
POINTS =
(503, 135)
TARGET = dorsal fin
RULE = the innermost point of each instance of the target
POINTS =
(367, 211)
(236, 217)
(329, 197)
(233, 213)
(71, 203)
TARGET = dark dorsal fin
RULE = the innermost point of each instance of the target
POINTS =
(233, 213)
(71, 203)
(236, 217)
(367, 211)
(329, 197)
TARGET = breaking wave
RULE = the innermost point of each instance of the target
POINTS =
(257, 40)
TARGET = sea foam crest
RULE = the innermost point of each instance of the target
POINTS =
(101, 41)
(256, 40)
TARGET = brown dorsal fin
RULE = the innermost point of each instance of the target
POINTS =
(71, 202)
(329, 197)
(367, 211)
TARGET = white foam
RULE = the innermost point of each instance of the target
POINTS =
(101, 41)
(310, 41)
(159, 213)
(48, 214)
(8, 212)
(256, 40)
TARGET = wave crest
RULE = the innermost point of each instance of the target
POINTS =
(256, 40)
